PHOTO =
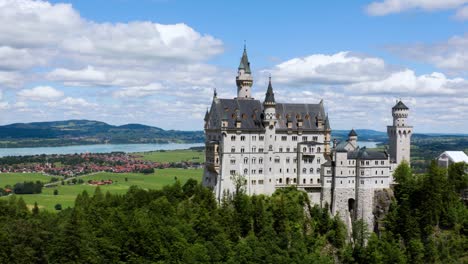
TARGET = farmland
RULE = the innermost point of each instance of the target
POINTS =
(121, 182)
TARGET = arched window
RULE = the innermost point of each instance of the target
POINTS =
(246, 160)
(303, 181)
(304, 170)
(311, 170)
(304, 149)
(318, 170)
(280, 180)
(318, 149)
(246, 171)
(233, 138)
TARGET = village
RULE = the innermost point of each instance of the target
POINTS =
(80, 164)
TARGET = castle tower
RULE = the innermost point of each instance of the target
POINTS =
(244, 78)
(269, 122)
(399, 134)
(352, 138)
(269, 106)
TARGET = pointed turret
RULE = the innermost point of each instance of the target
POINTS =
(352, 138)
(244, 78)
(352, 133)
(244, 63)
(327, 123)
(269, 96)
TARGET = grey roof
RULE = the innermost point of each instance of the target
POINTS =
(294, 112)
(244, 63)
(269, 96)
(250, 113)
(340, 147)
(352, 133)
(400, 105)
(364, 154)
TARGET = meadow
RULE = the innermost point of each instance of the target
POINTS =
(13, 178)
(122, 181)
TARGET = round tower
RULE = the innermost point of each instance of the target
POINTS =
(399, 135)
(244, 78)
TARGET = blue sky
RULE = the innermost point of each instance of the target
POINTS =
(157, 61)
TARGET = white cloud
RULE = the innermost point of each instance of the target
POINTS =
(341, 67)
(40, 93)
(357, 97)
(386, 7)
(138, 91)
(408, 83)
(450, 55)
(17, 59)
(11, 79)
(40, 24)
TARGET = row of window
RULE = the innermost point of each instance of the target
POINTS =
(283, 138)
(351, 162)
(280, 149)
(277, 160)
(260, 171)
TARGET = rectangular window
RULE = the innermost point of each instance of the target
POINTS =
(260, 181)
(261, 138)
(294, 138)
(233, 161)
(314, 138)
(233, 150)
(280, 149)
(233, 172)
(242, 138)
(260, 171)
(260, 150)
(254, 138)
(277, 160)
(284, 138)
(304, 138)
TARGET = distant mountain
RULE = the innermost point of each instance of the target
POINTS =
(76, 132)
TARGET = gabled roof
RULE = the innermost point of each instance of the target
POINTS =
(244, 63)
(456, 156)
(400, 105)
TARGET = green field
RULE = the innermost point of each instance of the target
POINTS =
(13, 178)
(67, 193)
(173, 155)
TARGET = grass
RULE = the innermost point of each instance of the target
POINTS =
(67, 193)
(13, 178)
(173, 155)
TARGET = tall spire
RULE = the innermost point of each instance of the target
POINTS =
(215, 94)
(269, 96)
(244, 63)
(244, 78)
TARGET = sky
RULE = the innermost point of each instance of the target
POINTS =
(157, 62)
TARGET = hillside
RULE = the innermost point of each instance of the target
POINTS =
(78, 132)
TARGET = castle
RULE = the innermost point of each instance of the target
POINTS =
(274, 145)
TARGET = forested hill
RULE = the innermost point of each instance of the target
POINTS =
(77, 132)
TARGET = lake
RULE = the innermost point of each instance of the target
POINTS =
(106, 148)
(102, 148)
